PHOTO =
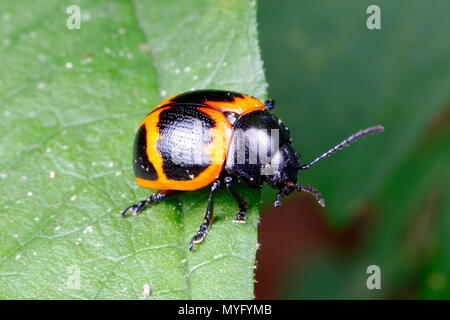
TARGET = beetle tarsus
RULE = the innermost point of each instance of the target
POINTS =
(158, 196)
(200, 235)
(240, 217)
(135, 208)
(278, 197)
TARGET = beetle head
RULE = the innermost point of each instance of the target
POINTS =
(285, 166)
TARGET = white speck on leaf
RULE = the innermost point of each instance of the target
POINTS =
(144, 47)
(88, 229)
(87, 60)
(147, 291)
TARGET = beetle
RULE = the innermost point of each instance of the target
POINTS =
(217, 138)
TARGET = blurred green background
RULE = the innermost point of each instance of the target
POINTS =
(388, 195)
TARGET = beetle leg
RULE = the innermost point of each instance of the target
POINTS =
(242, 204)
(269, 104)
(207, 219)
(158, 196)
(278, 198)
(283, 193)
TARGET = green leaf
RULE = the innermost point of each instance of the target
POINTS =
(70, 101)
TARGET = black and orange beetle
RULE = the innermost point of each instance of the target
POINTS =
(213, 137)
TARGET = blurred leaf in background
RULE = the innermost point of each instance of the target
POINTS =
(70, 101)
(331, 76)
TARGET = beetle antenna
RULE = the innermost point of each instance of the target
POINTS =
(319, 198)
(345, 143)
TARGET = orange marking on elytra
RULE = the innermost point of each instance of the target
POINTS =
(217, 149)
(239, 105)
